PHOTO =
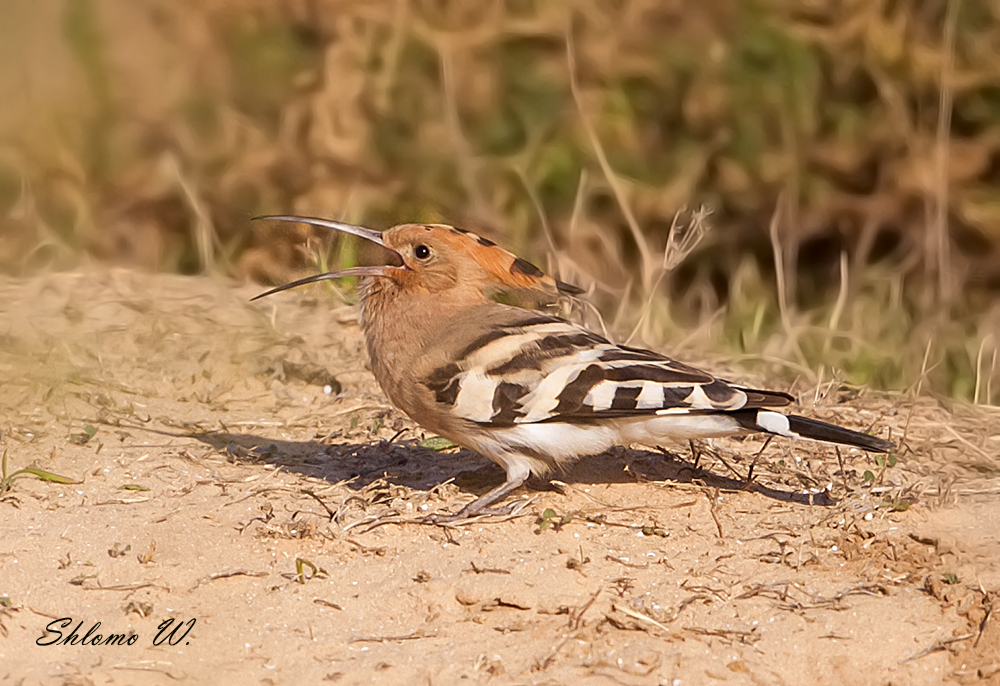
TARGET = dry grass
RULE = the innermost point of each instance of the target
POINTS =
(848, 153)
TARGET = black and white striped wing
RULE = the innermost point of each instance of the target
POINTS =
(541, 369)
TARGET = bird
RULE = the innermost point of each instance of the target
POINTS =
(524, 388)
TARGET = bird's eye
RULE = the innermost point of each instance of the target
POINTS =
(421, 252)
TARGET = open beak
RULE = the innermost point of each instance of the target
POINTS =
(368, 234)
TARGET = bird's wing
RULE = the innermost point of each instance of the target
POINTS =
(526, 367)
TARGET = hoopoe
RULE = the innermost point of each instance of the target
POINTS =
(530, 391)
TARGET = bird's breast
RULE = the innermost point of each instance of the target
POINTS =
(402, 348)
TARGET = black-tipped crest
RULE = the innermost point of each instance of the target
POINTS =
(568, 288)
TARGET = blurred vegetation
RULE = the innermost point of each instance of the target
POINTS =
(849, 151)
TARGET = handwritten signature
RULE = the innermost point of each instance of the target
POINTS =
(168, 632)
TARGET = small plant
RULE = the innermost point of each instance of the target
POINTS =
(83, 437)
(436, 443)
(897, 504)
(7, 480)
(883, 462)
(314, 572)
(549, 519)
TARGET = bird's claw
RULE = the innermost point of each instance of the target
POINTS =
(471, 515)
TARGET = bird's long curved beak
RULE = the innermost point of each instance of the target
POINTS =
(327, 276)
(368, 234)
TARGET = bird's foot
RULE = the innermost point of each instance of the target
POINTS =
(471, 514)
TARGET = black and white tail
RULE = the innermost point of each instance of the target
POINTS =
(793, 426)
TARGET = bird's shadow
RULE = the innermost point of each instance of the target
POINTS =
(405, 463)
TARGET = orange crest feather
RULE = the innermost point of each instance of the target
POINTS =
(507, 269)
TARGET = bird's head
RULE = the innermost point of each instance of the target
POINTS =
(436, 259)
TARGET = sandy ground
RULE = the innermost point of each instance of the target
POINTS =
(281, 524)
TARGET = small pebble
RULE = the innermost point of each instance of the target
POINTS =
(468, 595)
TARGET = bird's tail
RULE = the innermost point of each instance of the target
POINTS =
(793, 426)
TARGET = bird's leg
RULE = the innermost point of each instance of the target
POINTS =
(695, 455)
(754, 463)
(517, 474)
